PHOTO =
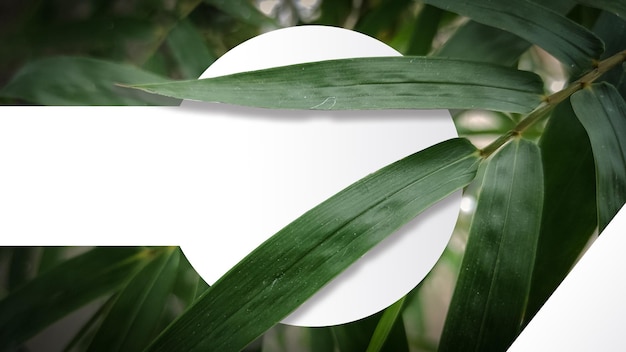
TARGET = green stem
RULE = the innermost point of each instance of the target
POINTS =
(553, 100)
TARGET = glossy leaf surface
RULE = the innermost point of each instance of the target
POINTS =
(490, 296)
(602, 112)
(369, 83)
(292, 265)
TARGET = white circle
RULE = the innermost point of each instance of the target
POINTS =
(274, 165)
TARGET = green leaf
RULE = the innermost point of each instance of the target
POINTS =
(569, 209)
(426, 26)
(334, 13)
(189, 50)
(612, 30)
(244, 11)
(569, 42)
(131, 321)
(81, 81)
(490, 295)
(617, 7)
(382, 18)
(387, 321)
(602, 112)
(287, 269)
(369, 83)
(63, 289)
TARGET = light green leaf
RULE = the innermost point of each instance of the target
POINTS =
(490, 296)
(189, 50)
(63, 289)
(369, 83)
(244, 11)
(387, 321)
(617, 7)
(296, 262)
(569, 211)
(131, 321)
(81, 81)
(602, 112)
(569, 42)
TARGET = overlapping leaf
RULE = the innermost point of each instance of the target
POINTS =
(81, 81)
(292, 265)
(617, 7)
(391, 317)
(369, 83)
(569, 42)
(602, 112)
(63, 289)
(490, 297)
(569, 212)
(131, 322)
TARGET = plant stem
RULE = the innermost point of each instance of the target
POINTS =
(553, 100)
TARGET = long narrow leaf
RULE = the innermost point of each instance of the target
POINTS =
(292, 265)
(385, 325)
(502, 48)
(81, 81)
(63, 289)
(488, 303)
(130, 323)
(569, 42)
(602, 112)
(569, 211)
(369, 83)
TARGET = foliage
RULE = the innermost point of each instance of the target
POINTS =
(546, 166)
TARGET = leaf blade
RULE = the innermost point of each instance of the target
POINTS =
(489, 300)
(62, 289)
(369, 83)
(81, 81)
(131, 320)
(602, 112)
(292, 265)
(386, 323)
(569, 42)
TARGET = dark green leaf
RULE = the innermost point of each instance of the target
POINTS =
(569, 211)
(426, 26)
(490, 297)
(617, 7)
(569, 42)
(382, 18)
(602, 112)
(63, 289)
(389, 318)
(81, 81)
(22, 266)
(369, 83)
(244, 11)
(334, 12)
(131, 321)
(292, 265)
(612, 30)
(321, 339)
(189, 49)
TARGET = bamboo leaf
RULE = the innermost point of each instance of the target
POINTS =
(387, 321)
(426, 26)
(131, 321)
(189, 50)
(81, 81)
(368, 83)
(612, 30)
(602, 112)
(63, 289)
(569, 42)
(502, 48)
(569, 211)
(490, 297)
(292, 265)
